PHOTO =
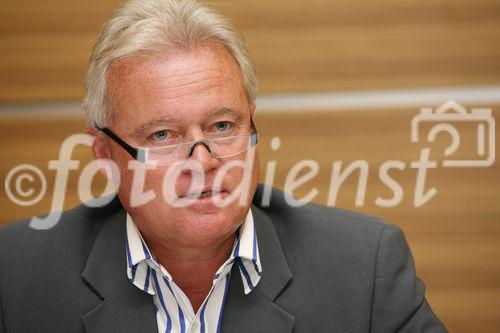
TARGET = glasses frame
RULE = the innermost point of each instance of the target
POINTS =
(140, 154)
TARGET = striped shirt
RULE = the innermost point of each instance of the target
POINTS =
(174, 312)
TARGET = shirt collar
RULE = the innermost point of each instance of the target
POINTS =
(245, 254)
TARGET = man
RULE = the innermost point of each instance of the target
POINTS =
(170, 100)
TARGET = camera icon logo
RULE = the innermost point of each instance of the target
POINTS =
(446, 118)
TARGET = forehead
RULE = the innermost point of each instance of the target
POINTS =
(180, 85)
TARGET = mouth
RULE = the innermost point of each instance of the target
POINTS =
(203, 194)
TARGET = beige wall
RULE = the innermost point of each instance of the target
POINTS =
(297, 45)
(301, 47)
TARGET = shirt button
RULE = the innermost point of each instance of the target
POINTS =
(194, 328)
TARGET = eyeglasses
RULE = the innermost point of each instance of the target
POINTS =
(220, 147)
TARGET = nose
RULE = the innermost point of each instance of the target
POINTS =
(200, 152)
(193, 146)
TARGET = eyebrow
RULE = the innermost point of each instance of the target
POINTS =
(227, 111)
(144, 128)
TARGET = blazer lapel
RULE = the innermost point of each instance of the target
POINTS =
(257, 312)
(124, 308)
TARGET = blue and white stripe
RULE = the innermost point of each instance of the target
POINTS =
(174, 312)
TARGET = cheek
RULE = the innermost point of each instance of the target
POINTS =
(133, 174)
(235, 176)
(141, 189)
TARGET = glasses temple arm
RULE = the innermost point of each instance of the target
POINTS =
(134, 152)
(254, 138)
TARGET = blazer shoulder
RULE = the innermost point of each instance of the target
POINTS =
(74, 232)
(286, 212)
(314, 236)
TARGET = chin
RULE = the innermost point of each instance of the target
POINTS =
(194, 227)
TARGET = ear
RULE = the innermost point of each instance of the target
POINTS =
(100, 150)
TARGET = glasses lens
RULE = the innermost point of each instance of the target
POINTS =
(219, 147)
(230, 146)
(167, 155)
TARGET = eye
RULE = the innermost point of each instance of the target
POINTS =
(222, 126)
(161, 135)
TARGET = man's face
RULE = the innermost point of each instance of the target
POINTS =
(186, 95)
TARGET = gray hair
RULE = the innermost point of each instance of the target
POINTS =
(152, 26)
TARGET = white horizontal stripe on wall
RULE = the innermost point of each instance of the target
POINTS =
(380, 99)
(314, 101)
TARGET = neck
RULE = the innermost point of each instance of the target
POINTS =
(192, 266)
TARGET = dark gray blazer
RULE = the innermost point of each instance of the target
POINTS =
(324, 270)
